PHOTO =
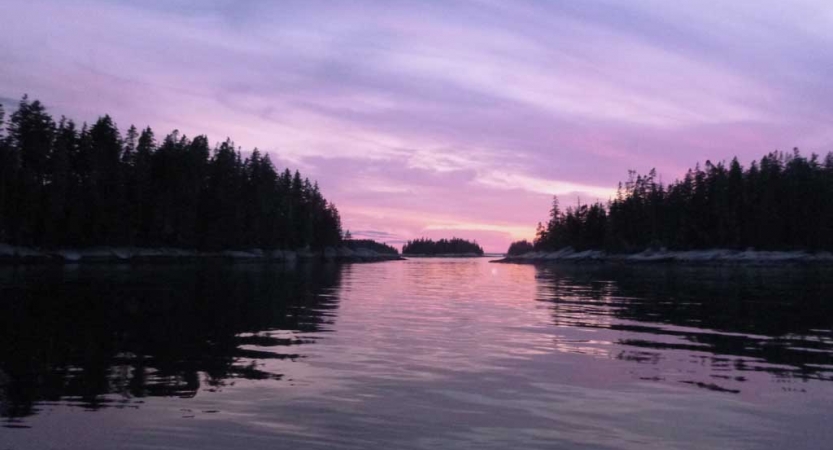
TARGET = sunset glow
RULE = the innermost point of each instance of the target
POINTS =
(442, 119)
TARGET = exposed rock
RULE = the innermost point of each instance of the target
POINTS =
(7, 251)
(330, 254)
(149, 254)
(68, 255)
(306, 254)
(236, 255)
(30, 255)
(97, 254)
(715, 256)
(12, 255)
(123, 253)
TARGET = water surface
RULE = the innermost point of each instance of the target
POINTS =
(425, 353)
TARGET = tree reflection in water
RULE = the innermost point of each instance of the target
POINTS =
(730, 319)
(106, 336)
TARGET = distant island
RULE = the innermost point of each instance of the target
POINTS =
(778, 209)
(368, 244)
(443, 247)
(105, 195)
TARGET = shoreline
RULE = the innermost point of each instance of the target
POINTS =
(14, 255)
(444, 255)
(693, 257)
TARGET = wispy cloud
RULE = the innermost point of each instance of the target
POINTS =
(442, 116)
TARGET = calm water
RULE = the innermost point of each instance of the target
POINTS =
(426, 353)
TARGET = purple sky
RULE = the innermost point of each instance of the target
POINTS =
(442, 118)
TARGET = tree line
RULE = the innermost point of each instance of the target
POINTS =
(65, 186)
(782, 202)
(369, 244)
(520, 247)
(423, 246)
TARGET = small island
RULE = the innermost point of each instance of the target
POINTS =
(448, 248)
(777, 210)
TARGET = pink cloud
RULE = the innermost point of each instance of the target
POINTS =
(463, 115)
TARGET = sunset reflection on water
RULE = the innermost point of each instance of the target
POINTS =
(416, 354)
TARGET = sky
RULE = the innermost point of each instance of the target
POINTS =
(442, 118)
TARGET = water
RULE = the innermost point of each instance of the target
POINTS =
(425, 353)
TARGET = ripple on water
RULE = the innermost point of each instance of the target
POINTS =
(423, 353)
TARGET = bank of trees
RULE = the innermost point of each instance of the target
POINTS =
(65, 185)
(425, 246)
(782, 202)
(520, 247)
(369, 244)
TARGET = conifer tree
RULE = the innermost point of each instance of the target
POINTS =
(63, 187)
(31, 133)
(782, 202)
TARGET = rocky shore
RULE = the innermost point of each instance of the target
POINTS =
(20, 255)
(714, 256)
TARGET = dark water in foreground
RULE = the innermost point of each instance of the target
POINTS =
(426, 353)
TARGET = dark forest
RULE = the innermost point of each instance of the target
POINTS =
(425, 246)
(369, 244)
(62, 185)
(782, 202)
